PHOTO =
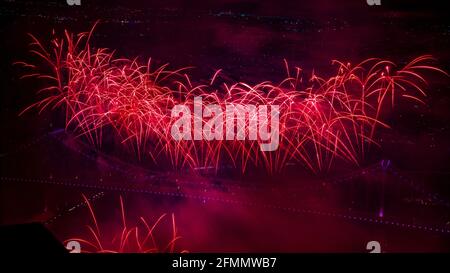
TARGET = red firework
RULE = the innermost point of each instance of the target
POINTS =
(321, 119)
(129, 239)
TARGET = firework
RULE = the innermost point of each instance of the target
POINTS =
(128, 239)
(322, 120)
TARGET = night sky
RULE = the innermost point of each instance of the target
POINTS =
(44, 170)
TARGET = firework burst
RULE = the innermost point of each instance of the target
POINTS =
(322, 120)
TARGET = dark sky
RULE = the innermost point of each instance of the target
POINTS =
(248, 40)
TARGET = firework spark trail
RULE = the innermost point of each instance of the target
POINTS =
(321, 119)
(129, 239)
